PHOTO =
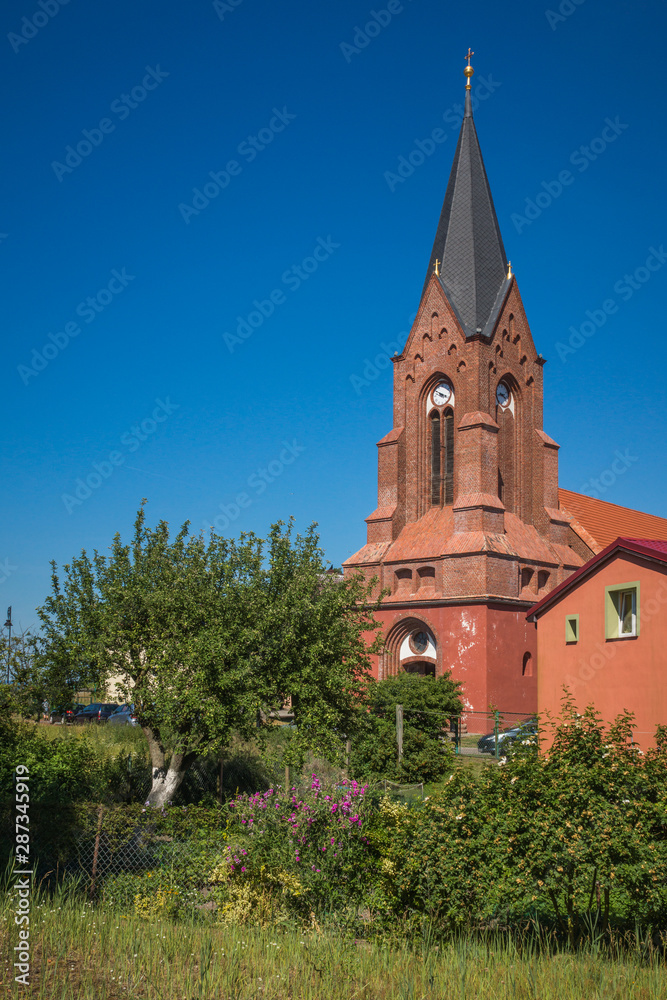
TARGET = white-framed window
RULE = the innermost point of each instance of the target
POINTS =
(622, 611)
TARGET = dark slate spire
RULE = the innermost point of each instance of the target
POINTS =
(468, 246)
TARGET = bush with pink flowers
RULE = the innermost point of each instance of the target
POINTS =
(309, 845)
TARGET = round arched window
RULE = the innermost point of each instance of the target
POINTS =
(419, 642)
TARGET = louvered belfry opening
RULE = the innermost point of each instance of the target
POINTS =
(436, 479)
(448, 485)
(442, 457)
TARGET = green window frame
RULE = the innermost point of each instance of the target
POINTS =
(571, 628)
(622, 610)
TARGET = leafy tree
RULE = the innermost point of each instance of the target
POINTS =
(208, 636)
(26, 676)
(575, 834)
(428, 703)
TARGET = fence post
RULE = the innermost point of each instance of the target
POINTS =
(495, 731)
(100, 813)
(399, 731)
(220, 776)
(457, 735)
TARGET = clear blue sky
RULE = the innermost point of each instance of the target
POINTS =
(302, 118)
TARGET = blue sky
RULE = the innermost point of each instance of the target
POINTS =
(207, 350)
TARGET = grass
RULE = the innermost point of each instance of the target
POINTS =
(84, 951)
(106, 738)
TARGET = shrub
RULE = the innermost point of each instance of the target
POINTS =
(303, 850)
(576, 835)
(428, 704)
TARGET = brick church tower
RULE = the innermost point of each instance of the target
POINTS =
(468, 533)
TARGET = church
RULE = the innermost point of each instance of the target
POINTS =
(471, 529)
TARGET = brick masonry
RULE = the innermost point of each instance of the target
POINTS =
(467, 571)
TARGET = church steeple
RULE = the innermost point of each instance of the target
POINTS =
(472, 265)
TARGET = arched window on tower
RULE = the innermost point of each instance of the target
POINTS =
(507, 458)
(442, 457)
(435, 458)
(437, 437)
(448, 485)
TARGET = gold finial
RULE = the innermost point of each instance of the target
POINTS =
(509, 270)
(468, 71)
(436, 267)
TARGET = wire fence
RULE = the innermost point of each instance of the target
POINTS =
(113, 851)
(476, 734)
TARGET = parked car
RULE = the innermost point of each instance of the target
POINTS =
(506, 738)
(97, 712)
(64, 714)
(123, 716)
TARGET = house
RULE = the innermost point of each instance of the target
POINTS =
(602, 634)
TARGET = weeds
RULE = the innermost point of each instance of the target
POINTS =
(85, 952)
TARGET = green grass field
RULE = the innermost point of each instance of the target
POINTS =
(83, 951)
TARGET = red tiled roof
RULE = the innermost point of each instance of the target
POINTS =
(658, 547)
(607, 521)
(649, 547)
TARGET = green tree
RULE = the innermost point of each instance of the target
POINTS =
(575, 834)
(207, 636)
(27, 678)
(428, 703)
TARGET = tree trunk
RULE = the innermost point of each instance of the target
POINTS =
(166, 780)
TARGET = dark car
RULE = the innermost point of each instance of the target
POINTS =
(508, 737)
(64, 714)
(123, 716)
(97, 712)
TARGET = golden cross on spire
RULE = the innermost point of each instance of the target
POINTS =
(468, 71)
(436, 268)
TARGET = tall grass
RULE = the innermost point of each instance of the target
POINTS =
(96, 953)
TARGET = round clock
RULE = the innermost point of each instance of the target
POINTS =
(441, 394)
(502, 394)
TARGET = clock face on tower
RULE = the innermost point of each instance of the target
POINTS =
(502, 394)
(442, 393)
